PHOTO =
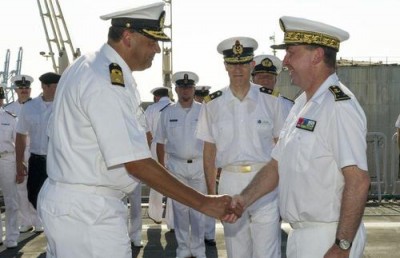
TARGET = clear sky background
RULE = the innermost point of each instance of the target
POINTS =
(198, 27)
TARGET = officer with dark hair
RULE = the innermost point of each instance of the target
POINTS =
(98, 148)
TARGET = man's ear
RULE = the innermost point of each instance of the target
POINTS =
(318, 55)
(126, 37)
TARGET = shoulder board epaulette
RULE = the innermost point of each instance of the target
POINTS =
(266, 90)
(165, 107)
(27, 100)
(212, 96)
(116, 75)
(11, 114)
(338, 93)
(291, 100)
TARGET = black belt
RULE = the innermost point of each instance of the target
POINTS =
(38, 156)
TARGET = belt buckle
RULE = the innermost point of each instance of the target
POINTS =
(245, 168)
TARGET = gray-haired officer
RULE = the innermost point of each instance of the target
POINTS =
(27, 216)
(320, 158)
(239, 125)
(265, 73)
(176, 138)
(98, 147)
(8, 185)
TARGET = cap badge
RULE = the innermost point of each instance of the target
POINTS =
(266, 62)
(162, 19)
(116, 75)
(185, 78)
(237, 49)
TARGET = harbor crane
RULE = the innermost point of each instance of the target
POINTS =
(57, 35)
(6, 74)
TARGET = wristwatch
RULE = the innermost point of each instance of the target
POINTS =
(343, 244)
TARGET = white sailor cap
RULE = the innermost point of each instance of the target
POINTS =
(160, 91)
(267, 64)
(148, 20)
(202, 91)
(300, 31)
(22, 80)
(238, 50)
(185, 79)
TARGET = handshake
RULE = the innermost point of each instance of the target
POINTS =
(224, 207)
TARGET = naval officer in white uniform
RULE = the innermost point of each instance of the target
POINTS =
(176, 137)
(98, 147)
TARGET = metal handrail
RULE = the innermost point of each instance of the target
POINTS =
(379, 139)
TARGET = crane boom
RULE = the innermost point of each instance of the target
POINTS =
(57, 35)
(167, 46)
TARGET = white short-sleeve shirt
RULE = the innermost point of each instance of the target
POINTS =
(14, 107)
(319, 138)
(153, 114)
(32, 121)
(243, 131)
(177, 130)
(7, 131)
(397, 122)
(95, 127)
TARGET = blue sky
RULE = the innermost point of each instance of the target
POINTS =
(198, 27)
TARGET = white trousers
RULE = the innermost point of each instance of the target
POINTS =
(257, 234)
(27, 215)
(314, 241)
(83, 225)
(9, 188)
(209, 228)
(156, 208)
(189, 223)
(135, 214)
(169, 214)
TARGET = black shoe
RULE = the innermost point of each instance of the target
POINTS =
(210, 242)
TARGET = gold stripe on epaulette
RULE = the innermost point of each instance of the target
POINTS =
(212, 96)
(338, 93)
(116, 75)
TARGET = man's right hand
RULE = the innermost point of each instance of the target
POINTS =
(237, 207)
(22, 172)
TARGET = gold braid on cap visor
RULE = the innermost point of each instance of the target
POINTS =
(239, 59)
(157, 34)
(308, 37)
